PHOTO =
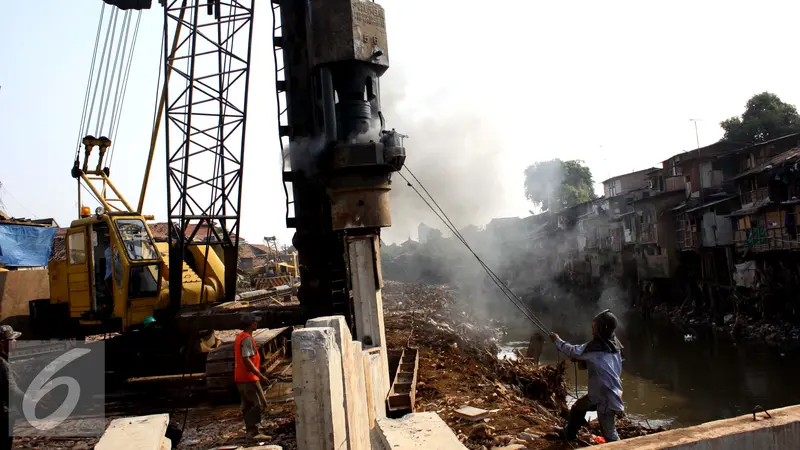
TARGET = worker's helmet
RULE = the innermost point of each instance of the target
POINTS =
(606, 323)
(148, 320)
(247, 318)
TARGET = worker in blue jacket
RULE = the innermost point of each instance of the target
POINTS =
(603, 358)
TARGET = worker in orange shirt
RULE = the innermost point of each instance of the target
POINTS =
(247, 375)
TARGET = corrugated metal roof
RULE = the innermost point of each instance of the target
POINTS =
(776, 160)
(709, 204)
(680, 207)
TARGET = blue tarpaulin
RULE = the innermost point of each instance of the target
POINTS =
(25, 246)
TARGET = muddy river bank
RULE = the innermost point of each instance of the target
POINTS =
(677, 377)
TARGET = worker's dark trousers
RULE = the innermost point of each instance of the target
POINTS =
(251, 406)
(577, 419)
(5, 433)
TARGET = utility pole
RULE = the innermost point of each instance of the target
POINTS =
(696, 136)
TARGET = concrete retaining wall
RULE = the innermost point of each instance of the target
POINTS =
(782, 431)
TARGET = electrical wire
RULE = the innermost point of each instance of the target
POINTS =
(4, 188)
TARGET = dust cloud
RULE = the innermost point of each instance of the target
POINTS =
(455, 152)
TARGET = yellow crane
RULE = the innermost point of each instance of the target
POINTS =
(115, 274)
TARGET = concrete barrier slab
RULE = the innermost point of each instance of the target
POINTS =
(781, 431)
(417, 431)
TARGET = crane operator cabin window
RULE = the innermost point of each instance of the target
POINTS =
(77, 248)
(135, 239)
(142, 279)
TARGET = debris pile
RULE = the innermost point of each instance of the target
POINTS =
(459, 368)
(742, 326)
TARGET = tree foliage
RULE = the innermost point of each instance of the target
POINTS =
(558, 184)
(766, 117)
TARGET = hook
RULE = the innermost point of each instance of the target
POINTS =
(759, 407)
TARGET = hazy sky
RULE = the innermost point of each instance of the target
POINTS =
(483, 89)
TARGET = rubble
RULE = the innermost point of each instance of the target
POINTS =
(458, 367)
(472, 414)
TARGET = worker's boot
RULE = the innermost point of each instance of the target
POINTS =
(258, 437)
(574, 424)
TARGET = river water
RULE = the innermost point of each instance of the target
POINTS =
(681, 377)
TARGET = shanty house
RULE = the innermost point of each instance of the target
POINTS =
(656, 243)
(769, 191)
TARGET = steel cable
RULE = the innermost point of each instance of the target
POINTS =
(89, 82)
(97, 81)
(492, 276)
(112, 26)
(115, 118)
(123, 79)
(506, 290)
(106, 99)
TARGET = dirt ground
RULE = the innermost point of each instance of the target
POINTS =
(458, 367)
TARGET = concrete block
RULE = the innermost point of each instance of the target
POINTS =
(136, 433)
(417, 431)
(374, 366)
(355, 395)
(318, 390)
(471, 413)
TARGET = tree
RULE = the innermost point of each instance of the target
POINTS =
(765, 118)
(558, 184)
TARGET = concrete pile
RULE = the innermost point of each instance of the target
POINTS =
(340, 391)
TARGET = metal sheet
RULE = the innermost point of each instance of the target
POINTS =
(361, 208)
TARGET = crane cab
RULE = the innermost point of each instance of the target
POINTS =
(112, 276)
